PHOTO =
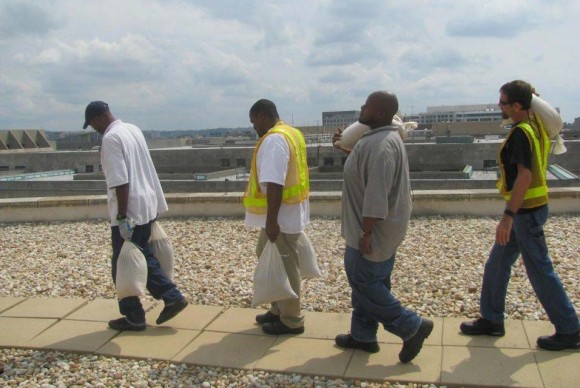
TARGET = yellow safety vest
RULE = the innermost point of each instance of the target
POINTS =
(537, 193)
(297, 184)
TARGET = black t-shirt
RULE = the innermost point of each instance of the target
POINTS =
(517, 150)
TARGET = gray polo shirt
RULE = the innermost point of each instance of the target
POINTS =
(376, 185)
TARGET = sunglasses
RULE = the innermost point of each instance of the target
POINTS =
(503, 103)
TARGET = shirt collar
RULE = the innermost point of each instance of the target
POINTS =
(112, 125)
(381, 129)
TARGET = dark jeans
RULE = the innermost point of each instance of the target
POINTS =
(372, 300)
(527, 238)
(158, 285)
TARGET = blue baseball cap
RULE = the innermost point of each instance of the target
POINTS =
(94, 109)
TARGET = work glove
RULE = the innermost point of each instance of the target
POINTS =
(126, 228)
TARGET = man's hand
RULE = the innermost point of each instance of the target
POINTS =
(272, 230)
(336, 138)
(364, 244)
(126, 228)
(503, 230)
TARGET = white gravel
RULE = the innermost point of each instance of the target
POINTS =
(438, 273)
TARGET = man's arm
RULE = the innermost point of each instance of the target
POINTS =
(122, 199)
(274, 201)
(125, 224)
(364, 242)
(521, 185)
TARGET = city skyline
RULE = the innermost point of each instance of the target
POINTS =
(182, 65)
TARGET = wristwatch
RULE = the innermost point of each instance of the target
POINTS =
(362, 233)
(508, 212)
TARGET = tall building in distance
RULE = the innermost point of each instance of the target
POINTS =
(456, 114)
(339, 119)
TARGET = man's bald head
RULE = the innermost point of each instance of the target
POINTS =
(379, 109)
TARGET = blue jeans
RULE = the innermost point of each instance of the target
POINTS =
(527, 238)
(372, 301)
(158, 285)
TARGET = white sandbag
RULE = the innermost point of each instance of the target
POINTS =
(271, 282)
(307, 257)
(355, 131)
(351, 134)
(162, 248)
(550, 117)
(131, 271)
(551, 121)
(404, 128)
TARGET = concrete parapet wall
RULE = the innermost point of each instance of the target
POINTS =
(425, 202)
(422, 157)
(19, 189)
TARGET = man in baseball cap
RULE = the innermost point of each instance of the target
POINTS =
(135, 199)
(94, 109)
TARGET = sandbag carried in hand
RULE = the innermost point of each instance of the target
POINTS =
(307, 257)
(131, 271)
(162, 248)
(271, 282)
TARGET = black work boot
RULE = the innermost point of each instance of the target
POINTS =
(347, 341)
(482, 326)
(171, 310)
(267, 318)
(124, 324)
(413, 345)
(559, 341)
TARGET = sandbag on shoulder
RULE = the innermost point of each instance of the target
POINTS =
(552, 123)
(351, 134)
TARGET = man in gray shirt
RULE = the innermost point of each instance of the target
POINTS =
(376, 207)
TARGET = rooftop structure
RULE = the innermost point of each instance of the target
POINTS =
(457, 114)
(24, 139)
(339, 119)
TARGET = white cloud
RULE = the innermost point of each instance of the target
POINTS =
(180, 64)
(18, 18)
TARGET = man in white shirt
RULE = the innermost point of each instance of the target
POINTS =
(135, 198)
(276, 201)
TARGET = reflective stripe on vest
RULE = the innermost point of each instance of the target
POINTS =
(297, 185)
(537, 193)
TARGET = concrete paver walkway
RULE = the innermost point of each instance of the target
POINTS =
(229, 337)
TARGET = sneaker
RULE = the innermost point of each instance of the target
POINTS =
(559, 341)
(123, 323)
(267, 318)
(482, 326)
(277, 328)
(346, 341)
(413, 345)
(171, 310)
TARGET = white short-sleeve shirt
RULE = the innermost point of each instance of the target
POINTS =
(272, 166)
(125, 159)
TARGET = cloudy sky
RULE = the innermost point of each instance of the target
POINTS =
(178, 64)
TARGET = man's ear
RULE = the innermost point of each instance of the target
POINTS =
(517, 106)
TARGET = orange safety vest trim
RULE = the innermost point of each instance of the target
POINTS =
(537, 193)
(297, 184)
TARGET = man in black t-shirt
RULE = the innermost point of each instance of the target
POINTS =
(523, 164)
(517, 150)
